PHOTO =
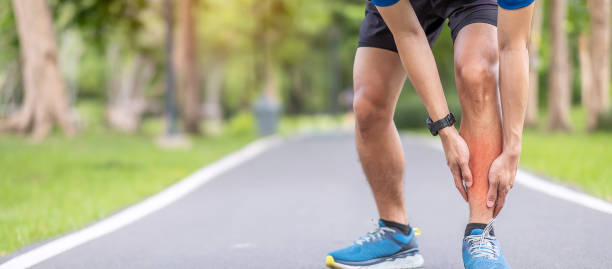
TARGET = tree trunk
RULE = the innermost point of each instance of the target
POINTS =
(589, 96)
(213, 112)
(270, 87)
(186, 67)
(9, 83)
(559, 84)
(600, 51)
(296, 94)
(46, 101)
(169, 66)
(531, 116)
(125, 88)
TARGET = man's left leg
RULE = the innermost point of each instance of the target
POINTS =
(476, 61)
(476, 57)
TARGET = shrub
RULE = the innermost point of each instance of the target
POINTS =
(411, 114)
(242, 123)
(605, 121)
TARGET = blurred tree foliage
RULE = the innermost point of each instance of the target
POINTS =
(9, 42)
(304, 49)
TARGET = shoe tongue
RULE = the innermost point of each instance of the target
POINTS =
(476, 232)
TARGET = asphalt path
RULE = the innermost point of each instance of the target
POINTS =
(297, 201)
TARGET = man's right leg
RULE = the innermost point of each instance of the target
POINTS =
(378, 79)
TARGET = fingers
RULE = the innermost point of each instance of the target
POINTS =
(492, 193)
(501, 200)
(502, 193)
(456, 171)
(466, 173)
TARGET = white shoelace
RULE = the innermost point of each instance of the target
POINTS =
(483, 245)
(375, 234)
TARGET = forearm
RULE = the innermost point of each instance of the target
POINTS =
(419, 64)
(513, 36)
(514, 85)
(416, 56)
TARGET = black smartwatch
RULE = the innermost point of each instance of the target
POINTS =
(434, 127)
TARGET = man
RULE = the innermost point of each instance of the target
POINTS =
(394, 41)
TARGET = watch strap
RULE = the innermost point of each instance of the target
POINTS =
(435, 127)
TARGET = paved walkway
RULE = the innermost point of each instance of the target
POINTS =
(289, 206)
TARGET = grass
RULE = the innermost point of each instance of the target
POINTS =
(579, 158)
(63, 184)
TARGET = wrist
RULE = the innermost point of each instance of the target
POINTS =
(512, 142)
(512, 152)
(447, 131)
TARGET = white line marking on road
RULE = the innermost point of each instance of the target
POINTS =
(140, 210)
(536, 183)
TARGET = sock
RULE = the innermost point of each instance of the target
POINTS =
(472, 226)
(405, 228)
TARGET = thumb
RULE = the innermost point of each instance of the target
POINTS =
(492, 193)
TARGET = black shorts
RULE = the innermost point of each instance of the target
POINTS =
(431, 14)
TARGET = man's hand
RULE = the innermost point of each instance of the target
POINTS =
(457, 158)
(501, 180)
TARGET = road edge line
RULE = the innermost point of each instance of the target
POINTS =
(539, 184)
(534, 182)
(142, 208)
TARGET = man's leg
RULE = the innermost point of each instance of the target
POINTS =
(378, 79)
(476, 58)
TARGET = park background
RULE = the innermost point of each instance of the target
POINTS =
(120, 99)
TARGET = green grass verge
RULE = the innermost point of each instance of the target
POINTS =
(579, 158)
(64, 184)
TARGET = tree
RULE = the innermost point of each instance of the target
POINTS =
(186, 67)
(600, 58)
(213, 112)
(125, 89)
(559, 84)
(46, 101)
(531, 116)
(589, 101)
(171, 130)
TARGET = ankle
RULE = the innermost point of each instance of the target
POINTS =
(481, 217)
(472, 226)
(404, 227)
(394, 215)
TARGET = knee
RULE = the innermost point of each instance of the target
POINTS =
(477, 83)
(370, 112)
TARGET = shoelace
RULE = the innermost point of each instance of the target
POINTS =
(376, 234)
(483, 245)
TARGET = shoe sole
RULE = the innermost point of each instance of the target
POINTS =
(408, 262)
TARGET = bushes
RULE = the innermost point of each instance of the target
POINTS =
(410, 113)
(605, 121)
(242, 123)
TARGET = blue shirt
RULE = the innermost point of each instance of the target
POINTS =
(505, 4)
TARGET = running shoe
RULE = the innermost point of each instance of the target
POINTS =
(481, 250)
(383, 248)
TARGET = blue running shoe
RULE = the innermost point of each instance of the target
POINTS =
(481, 250)
(383, 248)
